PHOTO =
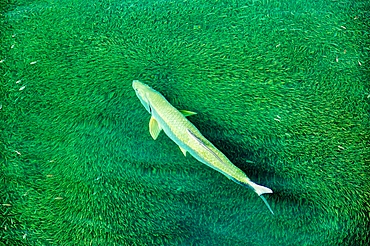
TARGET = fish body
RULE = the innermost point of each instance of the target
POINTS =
(189, 139)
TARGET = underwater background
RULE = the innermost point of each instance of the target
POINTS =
(280, 87)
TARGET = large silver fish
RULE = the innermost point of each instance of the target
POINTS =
(174, 123)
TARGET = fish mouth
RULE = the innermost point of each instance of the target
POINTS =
(136, 84)
(139, 88)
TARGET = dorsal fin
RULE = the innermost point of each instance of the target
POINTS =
(205, 146)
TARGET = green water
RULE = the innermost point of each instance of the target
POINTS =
(281, 87)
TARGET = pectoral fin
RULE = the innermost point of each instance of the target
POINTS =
(183, 151)
(154, 128)
(187, 113)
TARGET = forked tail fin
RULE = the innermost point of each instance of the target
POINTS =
(260, 190)
(267, 204)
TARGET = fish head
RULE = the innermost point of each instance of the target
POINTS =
(143, 92)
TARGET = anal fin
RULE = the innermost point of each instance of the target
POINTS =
(183, 150)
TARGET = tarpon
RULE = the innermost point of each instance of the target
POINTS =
(174, 123)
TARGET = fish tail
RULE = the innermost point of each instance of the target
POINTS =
(260, 190)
